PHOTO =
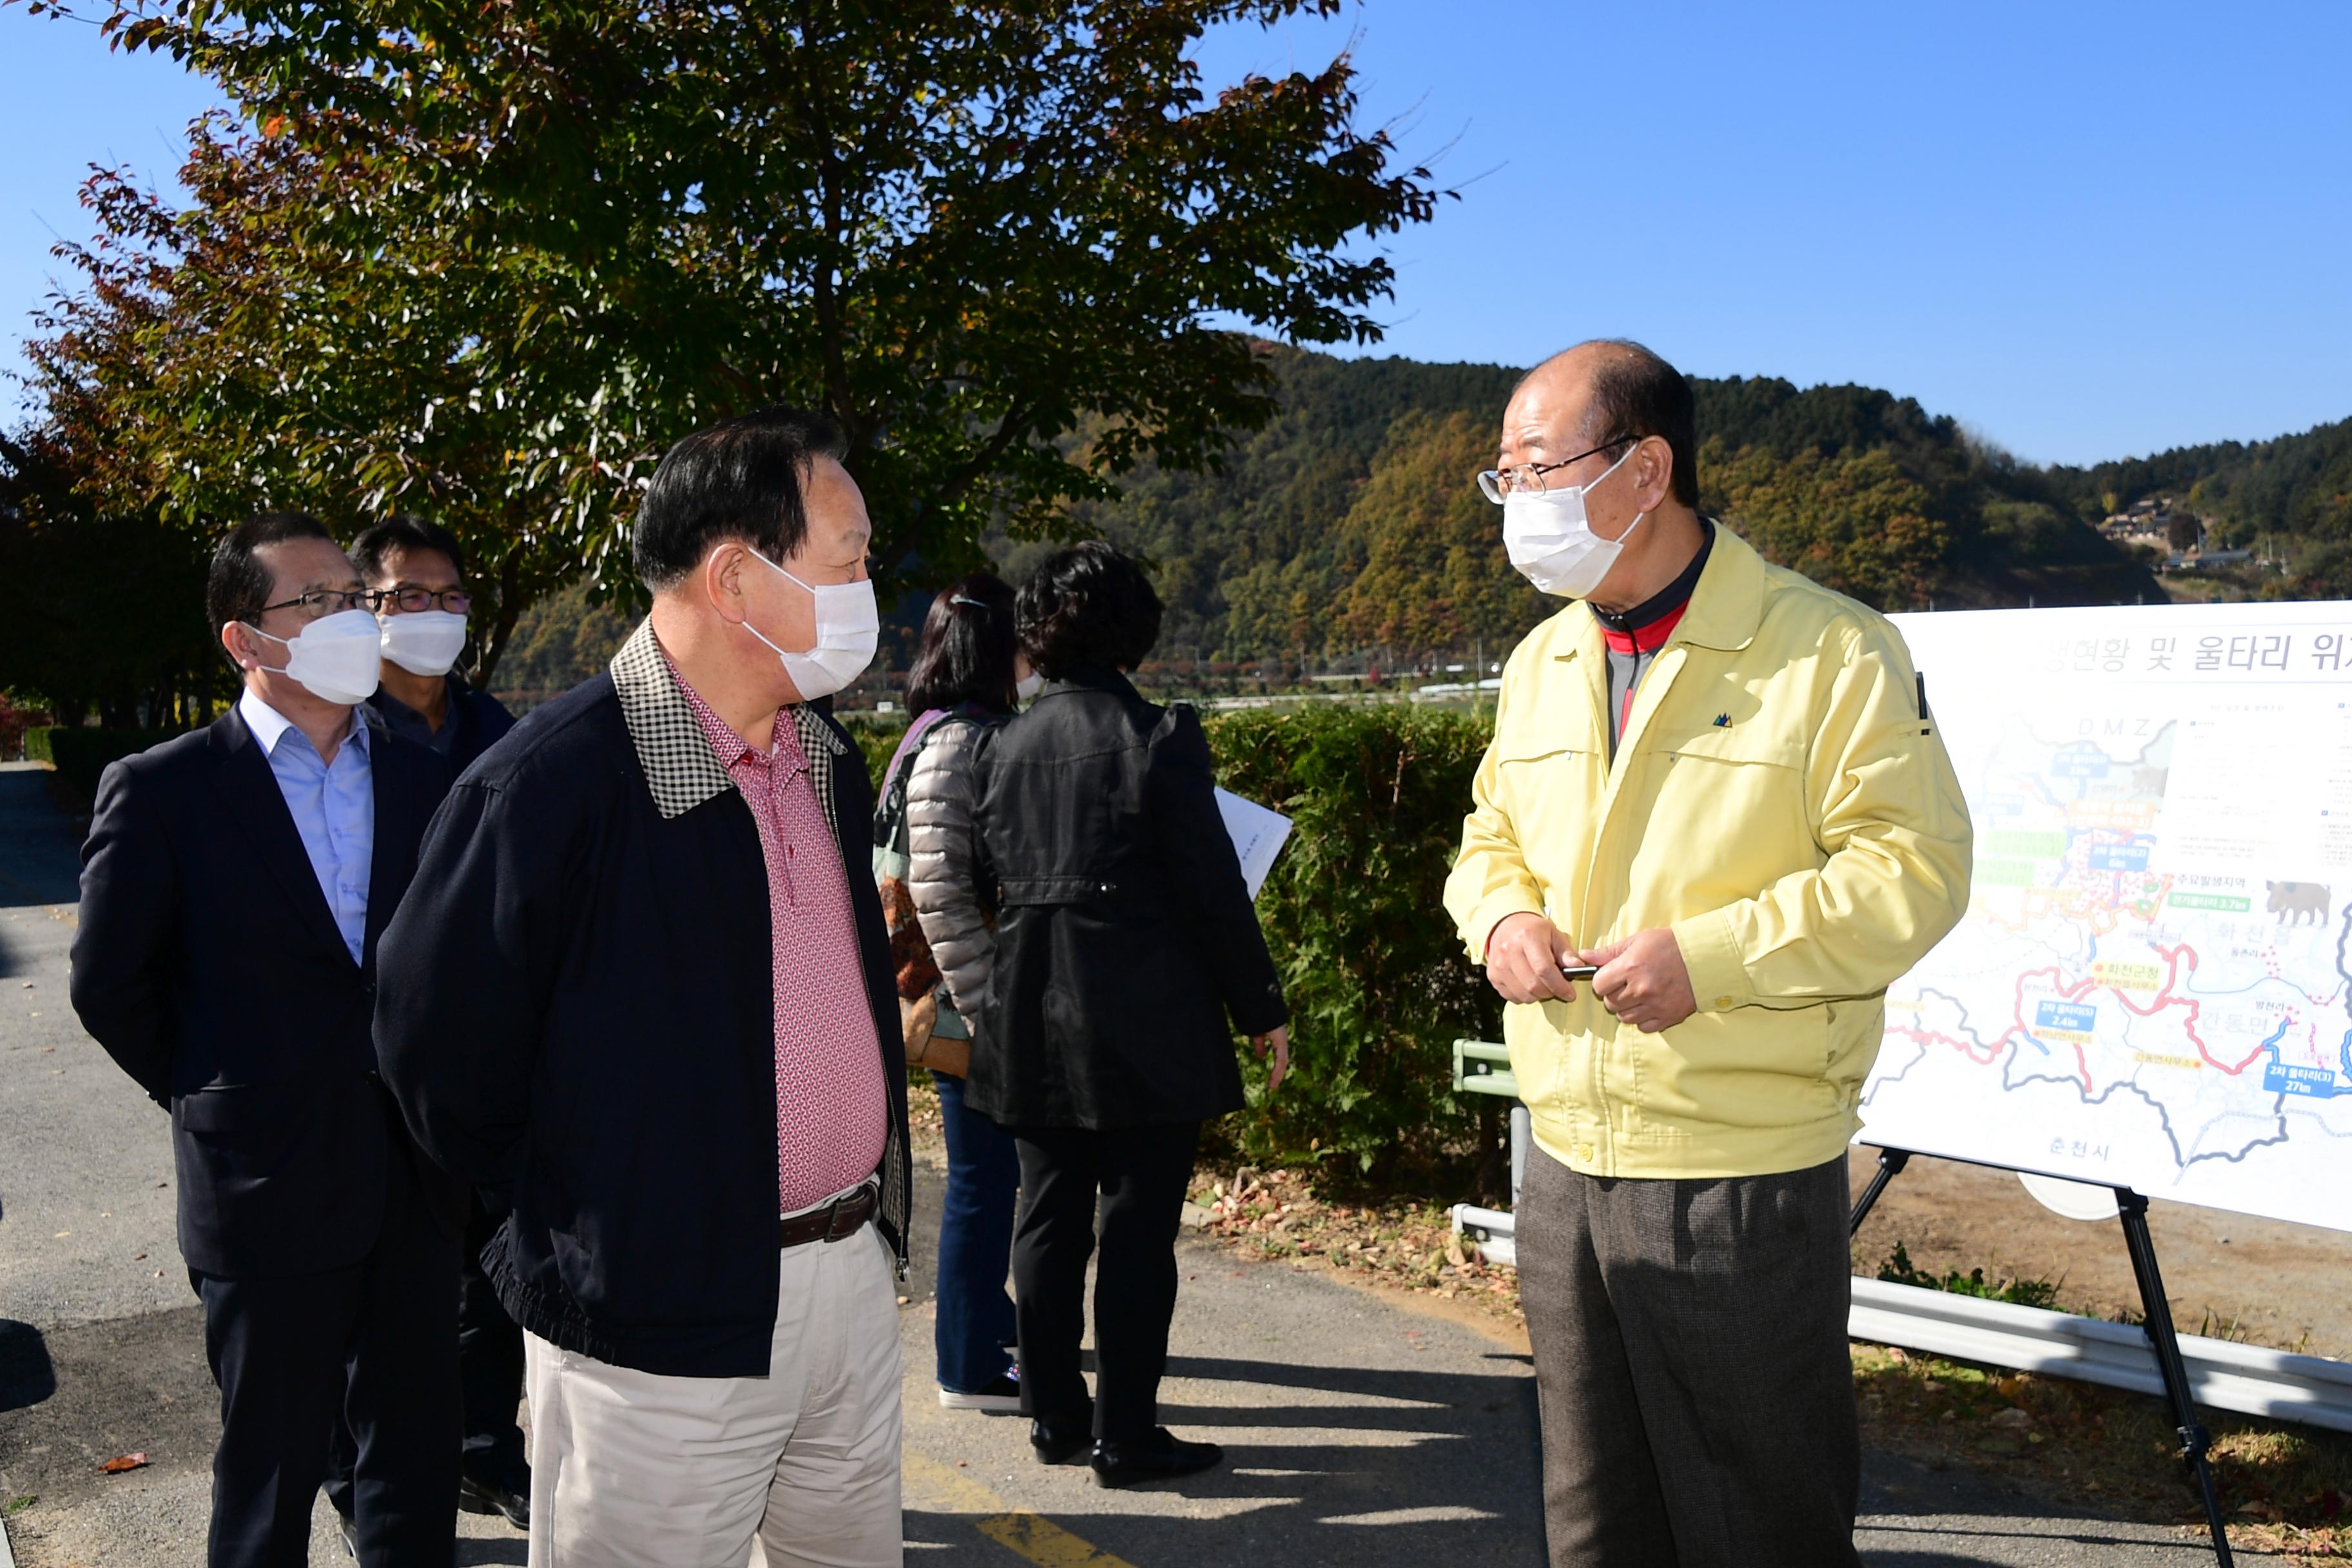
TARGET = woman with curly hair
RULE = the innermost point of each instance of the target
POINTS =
(1125, 940)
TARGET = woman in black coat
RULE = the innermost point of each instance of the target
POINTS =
(1125, 940)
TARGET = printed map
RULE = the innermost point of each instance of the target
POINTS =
(2152, 985)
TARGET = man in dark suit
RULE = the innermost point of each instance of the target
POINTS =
(234, 885)
(414, 570)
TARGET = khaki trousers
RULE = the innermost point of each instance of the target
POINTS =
(633, 1469)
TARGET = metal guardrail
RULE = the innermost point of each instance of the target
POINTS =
(1482, 1067)
(2250, 1379)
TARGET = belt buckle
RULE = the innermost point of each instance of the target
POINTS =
(833, 1217)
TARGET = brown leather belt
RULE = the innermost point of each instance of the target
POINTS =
(837, 1221)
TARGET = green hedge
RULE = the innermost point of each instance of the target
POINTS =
(81, 754)
(1379, 985)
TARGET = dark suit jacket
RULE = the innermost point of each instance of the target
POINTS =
(208, 964)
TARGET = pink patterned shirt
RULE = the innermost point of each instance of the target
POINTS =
(831, 1109)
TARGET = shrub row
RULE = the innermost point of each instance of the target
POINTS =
(1379, 984)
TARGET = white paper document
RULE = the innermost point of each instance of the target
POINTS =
(1258, 836)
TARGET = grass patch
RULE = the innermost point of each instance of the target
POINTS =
(1899, 1270)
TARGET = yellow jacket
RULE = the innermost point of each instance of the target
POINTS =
(1777, 801)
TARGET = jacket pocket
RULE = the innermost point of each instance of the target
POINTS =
(1545, 786)
(1753, 1067)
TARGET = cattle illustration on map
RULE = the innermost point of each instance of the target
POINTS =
(2150, 987)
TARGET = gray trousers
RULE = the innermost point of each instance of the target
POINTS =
(1691, 1367)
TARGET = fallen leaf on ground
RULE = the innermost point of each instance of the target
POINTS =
(120, 1463)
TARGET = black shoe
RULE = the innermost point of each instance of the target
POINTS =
(1162, 1457)
(351, 1535)
(1059, 1442)
(490, 1497)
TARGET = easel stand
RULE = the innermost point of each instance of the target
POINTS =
(2132, 1209)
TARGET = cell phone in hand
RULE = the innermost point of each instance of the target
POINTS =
(1579, 971)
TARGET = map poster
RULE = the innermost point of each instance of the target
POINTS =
(2152, 986)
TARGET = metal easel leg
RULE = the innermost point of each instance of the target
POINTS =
(2195, 1440)
(1890, 1165)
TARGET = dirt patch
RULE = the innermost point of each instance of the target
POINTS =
(2261, 1281)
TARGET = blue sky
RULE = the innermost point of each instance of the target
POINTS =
(2086, 230)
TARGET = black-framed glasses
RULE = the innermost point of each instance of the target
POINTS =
(322, 602)
(416, 601)
(1527, 478)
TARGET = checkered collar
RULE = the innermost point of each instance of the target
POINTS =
(681, 769)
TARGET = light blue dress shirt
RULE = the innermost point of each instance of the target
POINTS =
(333, 806)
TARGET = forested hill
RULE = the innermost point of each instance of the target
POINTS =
(1350, 522)
(2297, 485)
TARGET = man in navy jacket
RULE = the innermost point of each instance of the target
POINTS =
(642, 992)
(234, 886)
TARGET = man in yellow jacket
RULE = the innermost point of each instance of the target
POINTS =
(1716, 782)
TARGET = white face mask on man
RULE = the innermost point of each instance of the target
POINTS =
(336, 658)
(1552, 544)
(849, 626)
(425, 642)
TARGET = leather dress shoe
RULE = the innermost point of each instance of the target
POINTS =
(1059, 1442)
(1162, 1457)
(476, 1496)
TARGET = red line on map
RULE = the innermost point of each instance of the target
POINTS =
(2163, 998)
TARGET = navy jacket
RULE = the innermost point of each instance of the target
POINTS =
(475, 722)
(207, 964)
(576, 1014)
(1126, 935)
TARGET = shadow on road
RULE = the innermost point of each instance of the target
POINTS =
(1349, 1467)
(26, 1375)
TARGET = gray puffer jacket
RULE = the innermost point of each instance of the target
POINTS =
(940, 878)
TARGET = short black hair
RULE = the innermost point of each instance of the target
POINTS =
(403, 534)
(236, 587)
(966, 652)
(1088, 608)
(739, 479)
(1636, 394)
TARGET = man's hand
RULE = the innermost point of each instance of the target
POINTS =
(1644, 980)
(1279, 1038)
(1523, 958)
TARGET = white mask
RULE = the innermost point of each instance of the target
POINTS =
(848, 625)
(336, 658)
(424, 643)
(1028, 685)
(1552, 544)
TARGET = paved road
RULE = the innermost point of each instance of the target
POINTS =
(1362, 1433)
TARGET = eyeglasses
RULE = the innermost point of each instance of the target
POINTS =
(416, 601)
(321, 601)
(1527, 478)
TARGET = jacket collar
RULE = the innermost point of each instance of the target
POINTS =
(681, 769)
(1090, 679)
(1728, 605)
